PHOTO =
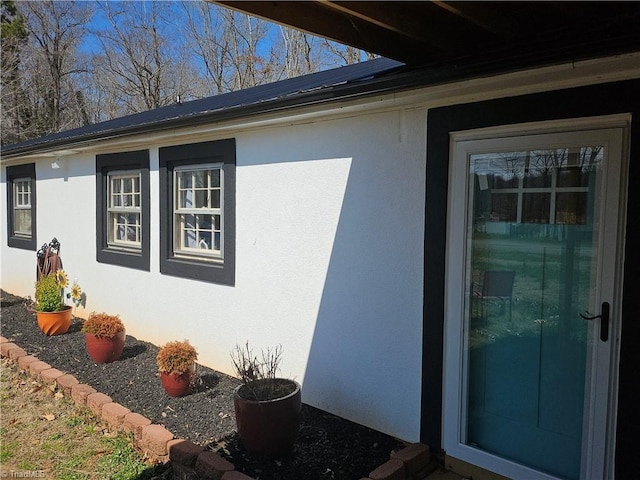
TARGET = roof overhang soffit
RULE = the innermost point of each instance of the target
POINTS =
(442, 32)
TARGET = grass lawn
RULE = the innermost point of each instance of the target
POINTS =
(45, 435)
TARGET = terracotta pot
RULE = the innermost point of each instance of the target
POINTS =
(178, 385)
(268, 427)
(55, 323)
(105, 349)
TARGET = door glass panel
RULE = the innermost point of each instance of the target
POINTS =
(531, 253)
(535, 207)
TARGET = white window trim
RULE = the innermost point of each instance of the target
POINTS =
(553, 190)
(19, 191)
(111, 225)
(178, 213)
(18, 182)
(453, 384)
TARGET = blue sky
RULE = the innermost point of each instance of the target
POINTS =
(99, 22)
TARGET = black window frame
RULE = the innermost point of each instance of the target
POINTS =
(112, 162)
(212, 152)
(14, 172)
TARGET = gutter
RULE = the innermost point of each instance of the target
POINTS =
(393, 80)
(299, 100)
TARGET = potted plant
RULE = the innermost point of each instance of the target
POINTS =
(54, 316)
(267, 407)
(177, 366)
(104, 337)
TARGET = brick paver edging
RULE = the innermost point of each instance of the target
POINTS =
(188, 459)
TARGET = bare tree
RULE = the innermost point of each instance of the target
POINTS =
(297, 53)
(13, 35)
(56, 28)
(139, 65)
(234, 50)
(337, 53)
(244, 35)
(204, 34)
(43, 65)
(238, 51)
(72, 63)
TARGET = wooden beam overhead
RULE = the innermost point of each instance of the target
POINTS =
(483, 16)
(321, 18)
(418, 22)
(440, 32)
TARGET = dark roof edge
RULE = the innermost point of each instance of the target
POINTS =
(230, 113)
(314, 95)
(392, 80)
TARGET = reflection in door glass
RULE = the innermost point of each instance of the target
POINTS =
(530, 250)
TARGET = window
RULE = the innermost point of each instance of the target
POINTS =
(197, 211)
(538, 186)
(122, 209)
(21, 206)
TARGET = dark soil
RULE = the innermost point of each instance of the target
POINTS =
(328, 447)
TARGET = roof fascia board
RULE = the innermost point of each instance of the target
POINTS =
(405, 88)
(298, 101)
(550, 78)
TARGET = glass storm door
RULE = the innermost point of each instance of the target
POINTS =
(533, 242)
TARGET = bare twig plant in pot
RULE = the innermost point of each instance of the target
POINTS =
(177, 366)
(267, 407)
(104, 337)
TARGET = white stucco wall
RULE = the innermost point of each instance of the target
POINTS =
(329, 243)
(329, 248)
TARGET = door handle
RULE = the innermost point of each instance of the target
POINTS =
(604, 320)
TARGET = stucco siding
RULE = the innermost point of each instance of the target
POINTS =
(329, 261)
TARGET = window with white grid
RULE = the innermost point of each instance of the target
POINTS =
(124, 209)
(22, 207)
(198, 211)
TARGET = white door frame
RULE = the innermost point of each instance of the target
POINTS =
(599, 431)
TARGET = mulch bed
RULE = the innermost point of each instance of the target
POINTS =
(328, 447)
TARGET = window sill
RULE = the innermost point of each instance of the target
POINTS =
(203, 270)
(124, 258)
(23, 243)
